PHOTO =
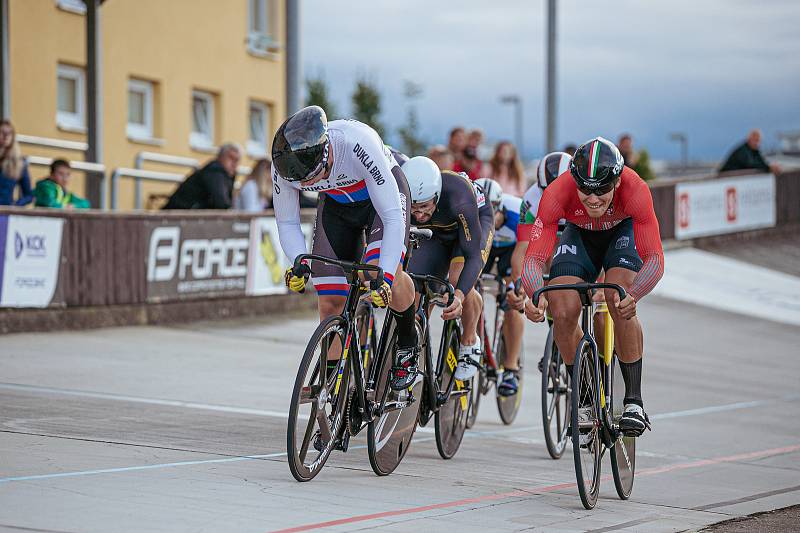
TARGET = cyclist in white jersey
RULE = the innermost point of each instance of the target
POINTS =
(361, 215)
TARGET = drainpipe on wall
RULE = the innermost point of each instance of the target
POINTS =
(94, 100)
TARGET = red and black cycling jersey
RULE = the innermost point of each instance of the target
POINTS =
(632, 199)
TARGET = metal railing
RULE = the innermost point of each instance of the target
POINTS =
(47, 142)
(85, 166)
(139, 175)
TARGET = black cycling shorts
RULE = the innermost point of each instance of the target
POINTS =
(433, 257)
(583, 253)
(502, 256)
(342, 231)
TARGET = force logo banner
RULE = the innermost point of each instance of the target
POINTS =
(192, 258)
(31, 249)
(267, 262)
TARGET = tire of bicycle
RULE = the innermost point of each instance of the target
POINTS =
(389, 436)
(478, 384)
(311, 362)
(556, 401)
(450, 420)
(623, 454)
(583, 371)
(508, 406)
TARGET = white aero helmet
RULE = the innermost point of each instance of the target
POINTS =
(491, 189)
(424, 179)
(552, 166)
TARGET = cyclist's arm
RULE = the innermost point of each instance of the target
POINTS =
(648, 242)
(543, 235)
(470, 240)
(486, 220)
(286, 201)
(385, 197)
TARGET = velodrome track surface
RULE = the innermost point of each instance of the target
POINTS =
(183, 429)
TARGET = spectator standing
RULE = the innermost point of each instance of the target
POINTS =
(256, 192)
(13, 168)
(53, 192)
(475, 139)
(570, 149)
(625, 146)
(747, 156)
(210, 187)
(457, 142)
(506, 169)
(469, 164)
(440, 155)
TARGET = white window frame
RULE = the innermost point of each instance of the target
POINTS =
(142, 131)
(73, 6)
(261, 34)
(64, 119)
(258, 147)
(203, 140)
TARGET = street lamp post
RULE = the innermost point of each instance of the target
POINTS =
(515, 100)
(683, 139)
(550, 112)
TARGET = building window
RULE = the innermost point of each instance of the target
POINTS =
(140, 109)
(70, 112)
(202, 135)
(259, 139)
(261, 35)
(73, 6)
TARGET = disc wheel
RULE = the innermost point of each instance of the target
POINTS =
(389, 436)
(586, 444)
(508, 406)
(623, 454)
(451, 418)
(556, 401)
(317, 408)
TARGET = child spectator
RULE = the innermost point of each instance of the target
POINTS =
(13, 168)
(506, 169)
(52, 191)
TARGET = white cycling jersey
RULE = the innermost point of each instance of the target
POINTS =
(362, 170)
(530, 204)
(506, 235)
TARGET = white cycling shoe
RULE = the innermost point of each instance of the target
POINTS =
(469, 361)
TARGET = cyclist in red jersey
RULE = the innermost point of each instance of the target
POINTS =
(611, 226)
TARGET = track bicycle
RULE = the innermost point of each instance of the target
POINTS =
(596, 402)
(493, 348)
(329, 405)
(444, 397)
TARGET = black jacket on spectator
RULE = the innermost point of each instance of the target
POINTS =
(207, 188)
(745, 158)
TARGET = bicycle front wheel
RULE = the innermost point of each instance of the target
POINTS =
(556, 401)
(585, 423)
(318, 401)
(623, 456)
(451, 418)
(389, 436)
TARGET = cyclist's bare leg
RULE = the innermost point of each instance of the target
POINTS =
(628, 338)
(472, 307)
(329, 306)
(565, 308)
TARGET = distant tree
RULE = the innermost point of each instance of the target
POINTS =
(367, 104)
(642, 166)
(317, 94)
(412, 143)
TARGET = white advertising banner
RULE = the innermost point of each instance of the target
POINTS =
(267, 263)
(31, 261)
(724, 206)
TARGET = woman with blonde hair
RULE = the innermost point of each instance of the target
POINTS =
(506, 169)
(13, 168)
(256, 192)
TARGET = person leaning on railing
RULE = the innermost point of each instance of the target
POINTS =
(52, 191)
(210, 187)
(747, 156)
(13, 168)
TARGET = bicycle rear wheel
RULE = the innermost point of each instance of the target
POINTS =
(585, 422)
(479, 384)
(451, 418)
(389, 436)
(623, 455)
(556, 401)
(318, 400)
(508, 406)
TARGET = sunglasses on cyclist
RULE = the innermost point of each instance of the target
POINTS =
(588, 191)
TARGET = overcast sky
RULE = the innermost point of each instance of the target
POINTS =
(711, 68)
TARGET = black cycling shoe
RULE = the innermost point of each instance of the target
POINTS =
(404, 373)
(509, 383)
(633, 421)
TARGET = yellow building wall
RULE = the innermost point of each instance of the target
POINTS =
(180, 45)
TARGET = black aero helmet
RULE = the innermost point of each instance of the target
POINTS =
(300, 148)
(596, 165)
(552, 166)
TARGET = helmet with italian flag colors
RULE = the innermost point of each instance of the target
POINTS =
(596, 165)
